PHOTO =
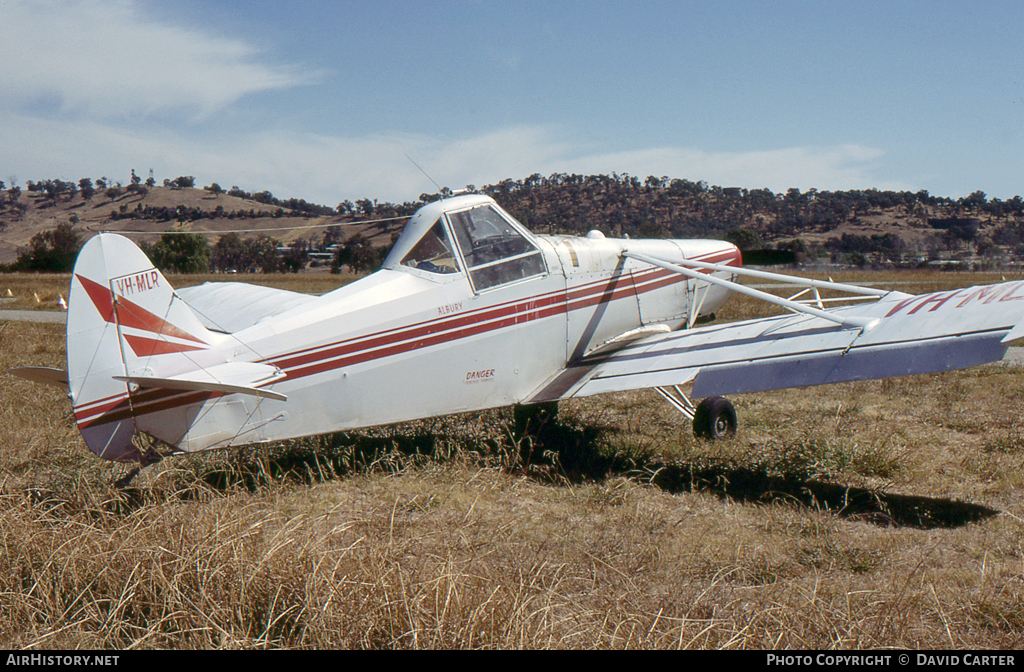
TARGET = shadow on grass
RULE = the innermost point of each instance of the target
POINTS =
(543, 447)
(579, 458)
(321, 459)
(872, 506)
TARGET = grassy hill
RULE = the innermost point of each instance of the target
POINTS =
(150, 211)
(858, 226)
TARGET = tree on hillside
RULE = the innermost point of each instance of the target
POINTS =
(228, 253)
(181, 253)
(333, 235)
(744, 238)
(261, 254)
(136, 188)
(246, 255)
(296, 257)
(359, 255)
(55, 188)
(52, 251)
(366, 207)
(86, 187)
(976, 200)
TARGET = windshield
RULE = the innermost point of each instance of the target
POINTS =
(494, 251)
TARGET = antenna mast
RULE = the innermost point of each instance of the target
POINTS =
(440, 190)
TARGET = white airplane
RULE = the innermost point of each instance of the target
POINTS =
(473, 311)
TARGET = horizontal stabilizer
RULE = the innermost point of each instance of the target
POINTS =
(42, 374)
(233, 306)
(231, 378)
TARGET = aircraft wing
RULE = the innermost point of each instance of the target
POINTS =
(897, 335)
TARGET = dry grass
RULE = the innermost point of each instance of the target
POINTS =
(436, 534)
(49, 287)
(25, 287)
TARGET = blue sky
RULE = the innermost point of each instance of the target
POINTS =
(324, 100)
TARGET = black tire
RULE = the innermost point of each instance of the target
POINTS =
(714, 419)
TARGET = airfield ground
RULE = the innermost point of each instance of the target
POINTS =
(864, 515)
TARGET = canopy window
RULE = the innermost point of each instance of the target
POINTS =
(494, 251)
(434, 253)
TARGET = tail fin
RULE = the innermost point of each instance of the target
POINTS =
(123, 315)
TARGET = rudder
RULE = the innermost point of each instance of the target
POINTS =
(122, 316)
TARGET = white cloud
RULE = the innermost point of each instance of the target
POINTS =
(104, 58)
(329, 169)
(831, 168)
(79, 75)
(318, 168)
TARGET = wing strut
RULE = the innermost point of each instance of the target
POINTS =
(862, 323)
(678, 399)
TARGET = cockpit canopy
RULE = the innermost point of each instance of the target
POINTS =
(489, 244)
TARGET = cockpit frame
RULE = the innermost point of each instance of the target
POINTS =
(468, 237)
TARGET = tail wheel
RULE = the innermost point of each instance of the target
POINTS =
(715, 418)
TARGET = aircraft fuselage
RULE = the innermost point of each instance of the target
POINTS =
(402, 344)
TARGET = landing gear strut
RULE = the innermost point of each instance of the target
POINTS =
(713, 418)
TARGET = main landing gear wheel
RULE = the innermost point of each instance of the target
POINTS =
(715, 418)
